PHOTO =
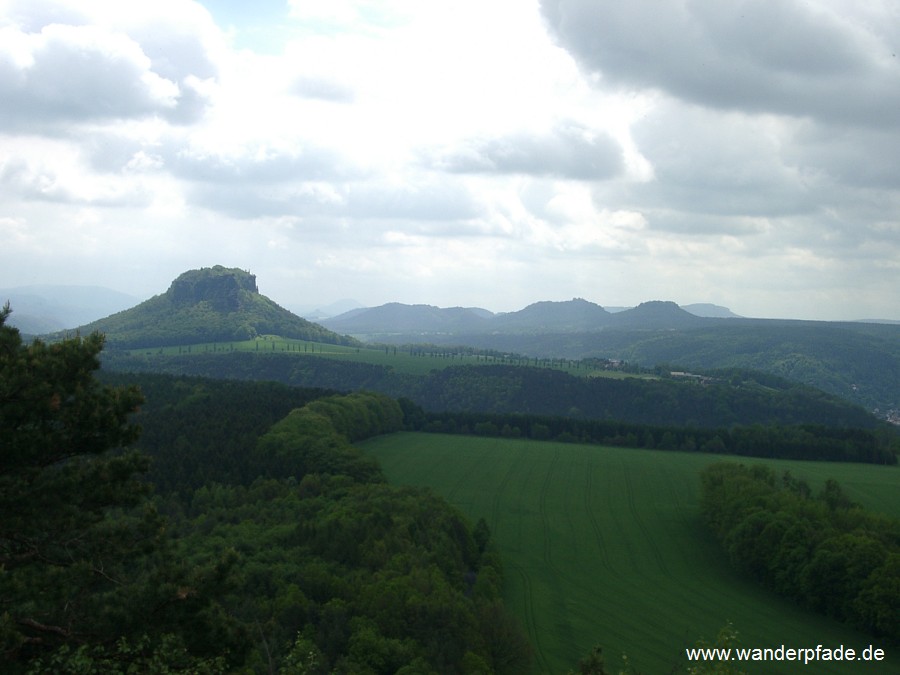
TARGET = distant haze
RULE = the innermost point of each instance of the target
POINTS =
(43, 309)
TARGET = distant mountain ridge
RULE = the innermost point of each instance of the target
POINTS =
(857, 361)
(212, 304)
(710, 311)
(576, 315)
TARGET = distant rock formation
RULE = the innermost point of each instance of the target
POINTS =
(219, 286)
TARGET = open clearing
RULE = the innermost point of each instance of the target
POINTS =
(605, 546)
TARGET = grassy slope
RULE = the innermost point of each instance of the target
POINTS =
(604, 546)
(401, 361)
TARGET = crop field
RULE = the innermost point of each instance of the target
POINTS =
(415, 361)
(605, 546)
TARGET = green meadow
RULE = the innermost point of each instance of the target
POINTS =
(605, 546)
(412, 361)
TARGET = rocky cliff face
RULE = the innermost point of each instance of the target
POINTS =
(219, 286)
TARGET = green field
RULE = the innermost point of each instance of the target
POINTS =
(605, 546)
(415, 361)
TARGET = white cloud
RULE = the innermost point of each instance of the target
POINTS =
(77, 73)
(567, 151)
(461, 152)
(92, 61)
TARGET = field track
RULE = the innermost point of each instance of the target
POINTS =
(605, 546)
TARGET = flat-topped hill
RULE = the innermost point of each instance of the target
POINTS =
(212, 304)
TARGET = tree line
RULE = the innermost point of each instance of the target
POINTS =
(806, 441)
(821, 550)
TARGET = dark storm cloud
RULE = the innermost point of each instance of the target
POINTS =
(789, 57)
(569, 151)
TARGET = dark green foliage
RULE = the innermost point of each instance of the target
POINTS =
(360, 415)
(208, 305)
(307, 441)
(824, 552)
(127, 657)
(57, 486)
(83, 557)
(320, 567)
(199, 431)
(340, 572)
(662, 402)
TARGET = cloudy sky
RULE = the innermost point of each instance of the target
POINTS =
(486, 153)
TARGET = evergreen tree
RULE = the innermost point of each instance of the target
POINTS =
(58, 483)
(82, 556)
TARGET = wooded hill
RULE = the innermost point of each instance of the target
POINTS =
(207, 305)
(733, 398)
(305, 562)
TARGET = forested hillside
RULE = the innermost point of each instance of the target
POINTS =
(268, 547)
(859, 362)
(734, 397)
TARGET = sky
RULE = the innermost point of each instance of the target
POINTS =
(489, 153)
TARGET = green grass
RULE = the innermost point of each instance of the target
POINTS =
(398, 359)
(605, 546)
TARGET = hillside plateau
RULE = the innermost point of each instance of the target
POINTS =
(212, 304)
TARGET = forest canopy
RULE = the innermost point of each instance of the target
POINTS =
(820, 550)
(313, 565)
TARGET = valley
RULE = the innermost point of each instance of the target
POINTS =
(560, 450)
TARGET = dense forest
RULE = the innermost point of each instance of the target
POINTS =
(297, 557)
(818, 549)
